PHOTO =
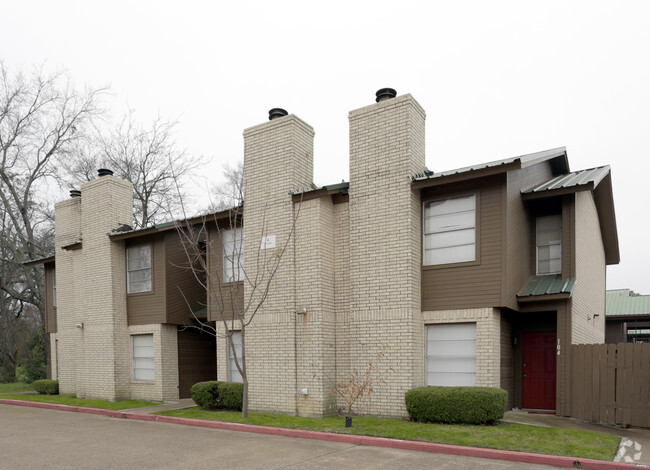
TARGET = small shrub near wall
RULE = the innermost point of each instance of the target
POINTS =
(215, 395)
(46, 386)
(232, 395)
(206, 395)
(456, 405)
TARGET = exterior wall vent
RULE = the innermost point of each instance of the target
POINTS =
(385, 94)
(277, 113)
(104, 172)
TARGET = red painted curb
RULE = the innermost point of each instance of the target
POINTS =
(511, 456)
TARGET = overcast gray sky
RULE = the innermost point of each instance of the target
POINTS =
(497, 79)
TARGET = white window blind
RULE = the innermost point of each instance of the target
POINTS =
(451, 354)
(143, 361)
(233, 255)
(138, 269)
(233, 372)
(450, 230)
(549, 244)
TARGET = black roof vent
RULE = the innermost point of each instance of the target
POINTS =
(277, 113)
(104, 172)
(385, 94)
(75, 193)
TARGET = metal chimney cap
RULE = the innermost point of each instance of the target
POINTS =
(104, 172)
(75, 193)
(385, 94)
(277, 113)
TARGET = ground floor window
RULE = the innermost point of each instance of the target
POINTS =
(143, 363)
(451, 354)
(233, 372)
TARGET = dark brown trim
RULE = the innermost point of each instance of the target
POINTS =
(543, 297)
(557, 192)
(72, 246)
(36, 262)
(203, 219)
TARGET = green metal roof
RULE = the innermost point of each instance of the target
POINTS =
(547, 285)
(583, 179)
(201, 312)
(626, 302)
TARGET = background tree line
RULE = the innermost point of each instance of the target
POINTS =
(53, 137)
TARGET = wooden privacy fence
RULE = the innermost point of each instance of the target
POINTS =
(610, 383)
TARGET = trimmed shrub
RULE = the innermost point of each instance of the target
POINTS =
(206, 395)
(232, 395)
(46, 386)
(456, 405)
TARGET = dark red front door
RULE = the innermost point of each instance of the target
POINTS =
(540, 353)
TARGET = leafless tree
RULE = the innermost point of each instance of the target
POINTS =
(42, 117)
(224, 294)
(148, 157)
(230, 192)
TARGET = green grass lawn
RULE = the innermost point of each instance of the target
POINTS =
(503, 436)
(74, 401)
(16, 387)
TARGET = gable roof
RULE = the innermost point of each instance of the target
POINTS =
(599, 181)
(621, 302)
(557, 157)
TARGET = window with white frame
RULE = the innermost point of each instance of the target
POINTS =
(233, 372)
(450, 230)
(451, 354)
(143, 361)
(233, 255)
(549, 244)
(138, 269)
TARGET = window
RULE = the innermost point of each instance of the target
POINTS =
(233, 255)
(54, 288)
(450, 230)
(549, 244)
(138, 270)
(451, 354)
(143, 364)
(233, 372)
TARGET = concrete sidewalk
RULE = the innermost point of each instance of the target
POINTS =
(635, 442)
(166, 406)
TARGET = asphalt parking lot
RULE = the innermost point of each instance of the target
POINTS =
(40, 438)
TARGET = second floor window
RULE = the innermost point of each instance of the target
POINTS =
(233, 255)
(549, 244)
(138, 269)
(450, 230)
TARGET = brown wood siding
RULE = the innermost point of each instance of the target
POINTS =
(197, 359)
(149, 307)
(50, 309)
(225, 298)
(185, 294)
(520, 245)
(615, 332)
(473, 284)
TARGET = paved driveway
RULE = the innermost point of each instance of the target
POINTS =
(39, 438)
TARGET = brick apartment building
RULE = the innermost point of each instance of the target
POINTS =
(478, 276)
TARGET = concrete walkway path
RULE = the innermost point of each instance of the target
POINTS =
(166, 406)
